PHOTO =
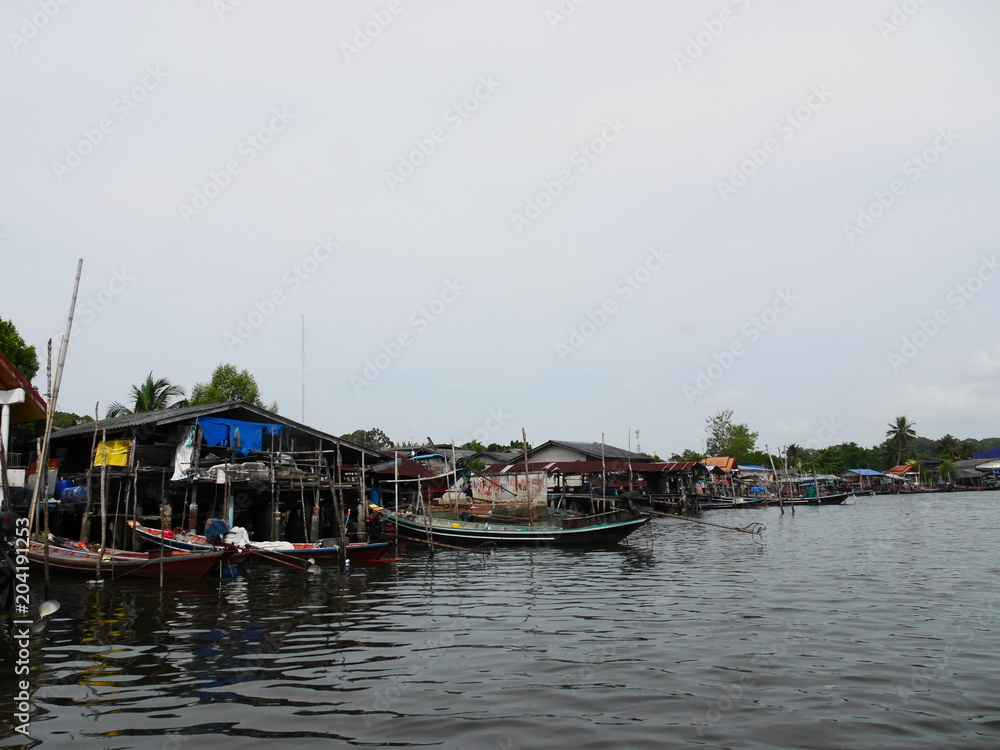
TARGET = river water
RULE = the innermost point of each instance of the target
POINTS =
(875, 624)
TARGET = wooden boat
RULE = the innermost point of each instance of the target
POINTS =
(832, 499)
(559, 531)
(720, 503)
(358, 553)
(79, 558)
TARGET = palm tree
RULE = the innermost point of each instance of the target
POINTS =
(794, 453)
(152, 395)
(948, 446)
(900, 434)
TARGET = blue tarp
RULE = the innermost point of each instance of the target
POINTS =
(992, 453)
(865, 472)
(243, 437)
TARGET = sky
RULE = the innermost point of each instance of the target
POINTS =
(458, 220)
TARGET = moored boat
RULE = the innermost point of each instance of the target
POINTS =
(358, 553)
(560, 531)
(721, 503)
(79, 558)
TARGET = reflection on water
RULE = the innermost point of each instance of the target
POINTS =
(858, 626)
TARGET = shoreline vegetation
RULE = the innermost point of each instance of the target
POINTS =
(723, 436)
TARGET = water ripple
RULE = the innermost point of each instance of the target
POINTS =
(853, 626)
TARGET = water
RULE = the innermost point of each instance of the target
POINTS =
(868, 625)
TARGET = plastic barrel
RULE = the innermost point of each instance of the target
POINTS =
(74, 495)
(61, 486)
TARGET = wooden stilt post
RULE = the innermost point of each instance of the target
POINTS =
(314, 529)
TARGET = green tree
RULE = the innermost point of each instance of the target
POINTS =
(512, 445)
(229, 384)
(742, 443)
(373, 438)
(728, 439)
(948, 447)
(67, 419)
(900, 434)
(687, 455)
(152, 395)
(22, 356)
(967, 447)
(719, 429)
(837, 459)
(473, 445)
(794, 454)
(946, 470)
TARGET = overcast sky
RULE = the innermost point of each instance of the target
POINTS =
(576, 218)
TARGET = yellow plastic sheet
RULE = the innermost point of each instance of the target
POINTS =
(112, 453)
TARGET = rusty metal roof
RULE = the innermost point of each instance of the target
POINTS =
(595, 467)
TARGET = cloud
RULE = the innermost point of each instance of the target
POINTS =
(795, 426)
(984, 364)
(963, 399)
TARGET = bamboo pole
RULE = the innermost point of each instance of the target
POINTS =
(85, 521)
(104, 502)
(527, 477)
(454, 483)
(195, 463)
(604, 476)
(342, 521)
(43, 455)
(363, 505)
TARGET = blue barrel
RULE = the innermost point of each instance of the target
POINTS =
(74, 495)
(61, 485)
(373, 496)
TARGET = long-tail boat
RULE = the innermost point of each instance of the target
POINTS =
(79, 558)
(557, 531)
(359, 553)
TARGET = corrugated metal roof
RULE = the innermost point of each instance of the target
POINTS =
(594, 467)
(408, 468)
(235, 409)
(594, 450)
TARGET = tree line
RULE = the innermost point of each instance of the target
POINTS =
(724, 437)
(901, 446)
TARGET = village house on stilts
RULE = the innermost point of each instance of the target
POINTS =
(176, 468)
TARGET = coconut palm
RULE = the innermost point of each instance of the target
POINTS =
(794, 453)
(152, 395)
(900, 434)
(948, 446)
